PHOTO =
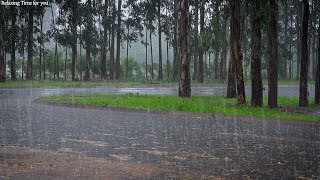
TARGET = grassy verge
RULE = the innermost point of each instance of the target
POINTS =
(203, 104)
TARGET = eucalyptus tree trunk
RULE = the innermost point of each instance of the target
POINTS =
(256, 88)
(146, 53)
(151, 54)
(176, 63)
(74, 40)
(2, 64)
(104, 43)
(117, 72)
(13, 43)
(184, 85)
(112, 41)
(196, 46)
(303, 97)
(30, 43)
(160, 77)
(200, 62)
(273, 59)
(236, 51)
(317, 87)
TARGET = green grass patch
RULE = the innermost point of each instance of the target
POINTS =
(202, 104)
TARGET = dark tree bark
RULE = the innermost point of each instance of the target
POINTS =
(176, 63)
(13, 43)
(317, 87)
(196, 34)
(105, 41)
(184, 85)
(257, 89)
(117, 70)
(89, 28)
(298, 29)
(303, 97)
(30, 43)
(112, 41)
(200, 63)
(65, 64)
(151, 54)
(127, 59)
(2, 64)
(273, 59)
(41, 46)
(146, 53)
(236, 51)
(231, 86)
(160, 77)
(74, 39)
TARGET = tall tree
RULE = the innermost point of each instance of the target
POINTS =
(176, 63)
(317, 87)
(104, 42)
(30, 43)
(236, 51)
(273, 59)
(2, 64)
(196, 34)
(113, 29)
(160, 76)
(303, 97)
(117, 69)
(88, 36)
(184, 85)
(257, 89)
(13, 42)
(200, 61)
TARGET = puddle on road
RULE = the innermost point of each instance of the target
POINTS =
(91, 142)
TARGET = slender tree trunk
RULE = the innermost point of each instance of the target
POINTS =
(236, 51)
(13, 43)
(298, 22)
(231, 86)
(118, 41)
(104, 43)
(2, 64)
(80, 53)
(196, 46)
(112, 42)
(160, 77)
(200, 64)
(303, 97)
(184, 85)
(176, 63)
(151, 54)
(65, 65)
(41, 46)
(74, 41)
(146, 53)
(273, 61)
(127, 59)
(56, 45)
(317, 86)
(30, 44)
(285, 59)
(256, 89)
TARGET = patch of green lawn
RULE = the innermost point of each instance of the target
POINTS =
(203, 104)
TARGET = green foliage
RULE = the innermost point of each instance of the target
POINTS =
(202, 104)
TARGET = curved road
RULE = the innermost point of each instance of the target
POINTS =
(231, 148)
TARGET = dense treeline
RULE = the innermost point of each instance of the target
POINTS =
(227, 41)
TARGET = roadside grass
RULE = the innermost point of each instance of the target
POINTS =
(120, 83)
(203, 104)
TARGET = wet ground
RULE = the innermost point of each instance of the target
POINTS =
(38, 140)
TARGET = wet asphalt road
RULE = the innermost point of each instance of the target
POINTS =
(234, 149)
